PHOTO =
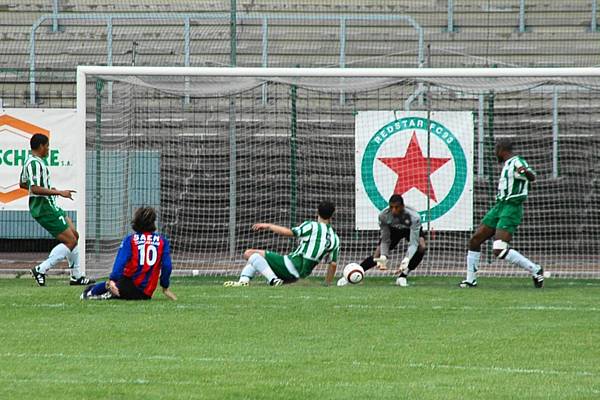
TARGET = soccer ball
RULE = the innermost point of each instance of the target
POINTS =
(354, 273)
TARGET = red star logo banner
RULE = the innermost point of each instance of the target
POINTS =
(412, 169)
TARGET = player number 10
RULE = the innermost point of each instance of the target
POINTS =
(149, 256)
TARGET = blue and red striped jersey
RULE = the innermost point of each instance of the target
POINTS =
(143, 256)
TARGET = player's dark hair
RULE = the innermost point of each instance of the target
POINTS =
(505, 144)
(326, 209)
(144, 220)
(396, 199)
(38, 140)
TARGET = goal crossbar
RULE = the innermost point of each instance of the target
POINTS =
(82, 71)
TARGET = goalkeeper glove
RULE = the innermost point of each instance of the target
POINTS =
(403, 266)
(381, 262)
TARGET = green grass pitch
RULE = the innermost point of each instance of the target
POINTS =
(503, 340)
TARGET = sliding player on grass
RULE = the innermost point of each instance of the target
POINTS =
(503, 219)
(397, 222)
(143, 256)
(317, 240)
(35, 177)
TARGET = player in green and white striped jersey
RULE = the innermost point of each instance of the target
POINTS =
(35, 177)
(317, 241)
(504, 218)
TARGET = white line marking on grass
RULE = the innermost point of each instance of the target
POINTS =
(290, 382)
(465, 308)
(376, 307)
(364, 298)
(502, 369)
(141, 357)
(40, 305)
(110, 304)
(234, 306)
(99, 381)
(181, 306)
(552, 308)
(362, 305)
(160, 357)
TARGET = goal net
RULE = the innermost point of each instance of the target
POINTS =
(216, 150)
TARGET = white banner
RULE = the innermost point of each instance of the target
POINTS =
(391, 158)
(66, 162)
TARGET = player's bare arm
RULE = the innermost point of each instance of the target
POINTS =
(280, 230)
(41, 191)
(169, 294)
(331, 268)
(528, 174)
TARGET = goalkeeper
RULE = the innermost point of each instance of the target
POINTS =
(397, 222)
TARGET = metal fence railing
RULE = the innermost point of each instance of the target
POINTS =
(521, 22)
(263, 19)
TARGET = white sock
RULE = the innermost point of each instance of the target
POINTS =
(73, 259)
(262, 266)
(519, 259)
(59, 252)
(247, 273)
(472, 265)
